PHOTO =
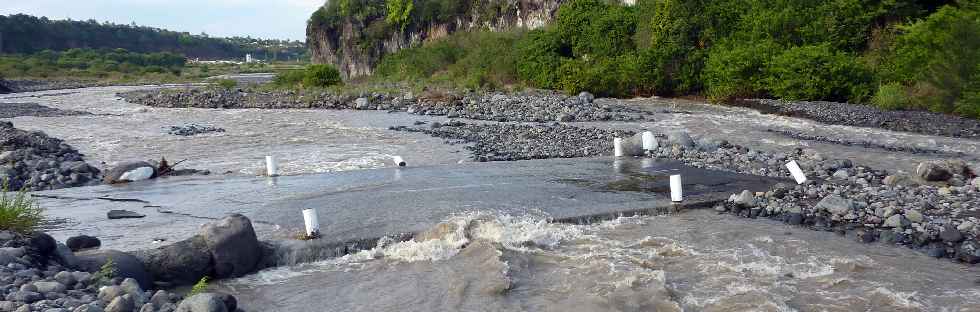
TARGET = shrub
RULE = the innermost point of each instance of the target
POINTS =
(227, 84)
(540, 53)
(464, 59)
(940, 54)
(106, 273)
(737, 69)
(18, 212)
(968, 103)
(595, 28)
(891, 96)
(818, 73)
(289, 78)
(617, 76)
(321, 75)
(200, 287)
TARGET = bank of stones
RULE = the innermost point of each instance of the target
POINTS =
(527, 107)
(35, 161)
(507, 141)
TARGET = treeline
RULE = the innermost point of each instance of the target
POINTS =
(90, 63)
(898, 54)
(25, 34)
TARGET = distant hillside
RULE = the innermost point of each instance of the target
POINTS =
(27, 34)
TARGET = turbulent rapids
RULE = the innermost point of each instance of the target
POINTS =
(488, 262)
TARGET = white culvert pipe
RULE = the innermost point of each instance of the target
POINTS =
(794, 169)
(398, 161)
(312, 222)
(676, 189)
(618, 147)
(271, 166)
(649, 141)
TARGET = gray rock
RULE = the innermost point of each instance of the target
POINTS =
(361, 103)
(122, 303)
(89, 308)
(6, 258)
(586, 97)
(117, 174)
(841, 174)
(64, 255)
(126, 265)
(8, 306)
(933, 171)
(680, 138)
(80, 242)
(896, 221)
(836, 205)
(234, 247)
(745, 199)
(914, 216)
(160, 298)
(207, 302)
(132, 288)
(148, 307)
(950, 234)
(65, 278)
(48, 287)
(7, 157)
(124, 214)
(25, 296)
(182, 263)
(23, 308)
(108, 293)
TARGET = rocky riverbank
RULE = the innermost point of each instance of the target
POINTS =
(507, 142)
(41, 274)
(540, 106)
(869, 116)
(33, 85)
(35, 161)
(935, 210)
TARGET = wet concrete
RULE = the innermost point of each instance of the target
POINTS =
(371, 203)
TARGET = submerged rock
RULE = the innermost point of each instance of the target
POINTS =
(124, 214)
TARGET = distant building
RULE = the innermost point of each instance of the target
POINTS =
(248, 58)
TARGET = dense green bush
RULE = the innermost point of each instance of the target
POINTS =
(541, 53)
(321, 75)
(939, 56)
(891, 96)
(738, 69)
(226, 84)
(289, 78)
(818, 73)
(603, 76)
(464, 59)
(89, 62)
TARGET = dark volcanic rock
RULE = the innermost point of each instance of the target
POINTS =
(183, 263)
(126, 265)
(234, 247)
(34, 161)
(80, 242)
(124, 214)
(869, 116)
(11, 110)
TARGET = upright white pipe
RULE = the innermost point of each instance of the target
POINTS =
(312, 222)
(676, 189)
(649, 141)
(271, 167)
(797, 173)
(618, 147)
(398, 161)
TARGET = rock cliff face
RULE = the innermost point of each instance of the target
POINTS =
(356, 45)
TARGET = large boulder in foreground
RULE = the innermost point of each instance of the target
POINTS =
(183, 263)
(124, 264)
(130, 171)
(234, 247)
(208, 302)
(936, 171)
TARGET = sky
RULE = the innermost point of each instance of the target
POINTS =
(269, 19)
